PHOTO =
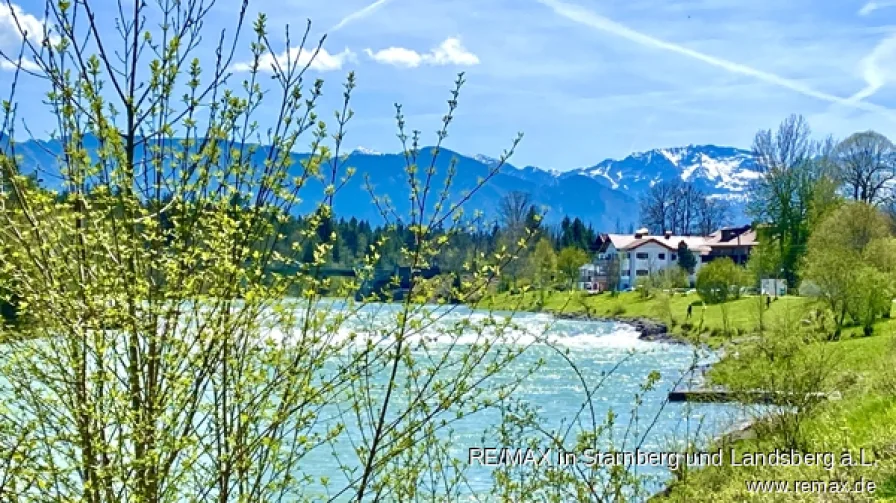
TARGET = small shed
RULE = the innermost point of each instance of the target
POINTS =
(774, 286)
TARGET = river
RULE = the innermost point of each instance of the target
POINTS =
(573, 354)
(596, 348)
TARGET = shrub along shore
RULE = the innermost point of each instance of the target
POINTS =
(780, 346)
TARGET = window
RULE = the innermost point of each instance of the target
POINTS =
(642, 256)
(661, 256)
(642, 272)
(674, 257)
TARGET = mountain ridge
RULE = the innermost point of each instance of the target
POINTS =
(605, 194)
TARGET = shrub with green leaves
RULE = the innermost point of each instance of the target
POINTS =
(720, 281)
(851, 260)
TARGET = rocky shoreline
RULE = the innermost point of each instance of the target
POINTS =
(648, 330)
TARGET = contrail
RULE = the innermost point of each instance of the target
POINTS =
(875, 66)
(597, 22)
(358, 14)
(870, 7)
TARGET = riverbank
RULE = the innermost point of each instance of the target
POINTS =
(661, 317)
(863, 421)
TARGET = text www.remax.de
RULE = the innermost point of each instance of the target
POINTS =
(862, 485)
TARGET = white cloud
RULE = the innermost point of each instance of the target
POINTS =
(606, 25)
(15, 25)
(449, 52)
(323, 61)
(26, 64)
(397, 56)
(14, 21)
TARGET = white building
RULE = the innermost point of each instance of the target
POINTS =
(631, 256)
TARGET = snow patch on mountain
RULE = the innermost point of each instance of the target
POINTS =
(674, 157)
(598, 172)
(366, 151)
(688, 172)
(727, 173)
(484, 159)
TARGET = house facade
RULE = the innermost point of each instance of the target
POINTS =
(623, 258)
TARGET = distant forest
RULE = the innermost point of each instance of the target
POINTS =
(353, 238)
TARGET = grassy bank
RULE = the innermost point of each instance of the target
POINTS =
(742, 315)
(863, 420)
(861, 369)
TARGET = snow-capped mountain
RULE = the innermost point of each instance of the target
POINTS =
(725, 171)
(365, 151)
(605, 195)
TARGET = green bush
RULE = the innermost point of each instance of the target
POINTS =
(720, 281)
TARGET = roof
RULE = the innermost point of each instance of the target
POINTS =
(736, 236)
(643, 241)
(703, 245)
(630, 242)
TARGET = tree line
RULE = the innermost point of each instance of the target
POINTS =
(518, 218)
(348, 240)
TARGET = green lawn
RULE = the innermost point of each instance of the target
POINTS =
(742, 314)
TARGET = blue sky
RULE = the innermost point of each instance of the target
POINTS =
(583, 79)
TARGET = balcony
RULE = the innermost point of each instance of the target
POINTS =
(600, 269)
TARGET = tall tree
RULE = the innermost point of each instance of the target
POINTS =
(533, 220)
(686, 258)
(544, 264)
(681, 208)
(684, 209)
(866, 165)
(569, 261)
(794, 188)
(513, 209)
(657, 206)
(711, 215)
